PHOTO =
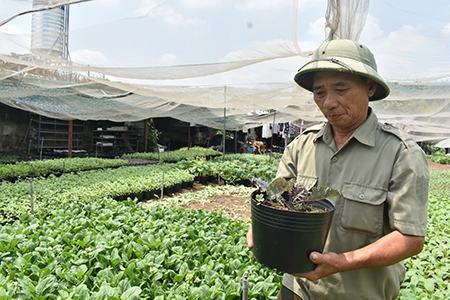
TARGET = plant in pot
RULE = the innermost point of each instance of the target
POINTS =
(289, 222)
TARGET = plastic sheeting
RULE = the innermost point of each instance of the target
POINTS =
(199, 93)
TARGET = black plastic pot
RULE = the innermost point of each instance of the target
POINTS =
(283, 240)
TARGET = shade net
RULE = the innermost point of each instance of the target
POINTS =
(249, 86)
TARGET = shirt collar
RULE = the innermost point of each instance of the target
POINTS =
(365, 133)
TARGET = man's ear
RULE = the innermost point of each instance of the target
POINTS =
(372, 87)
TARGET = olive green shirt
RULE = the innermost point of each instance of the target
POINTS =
(383, 178)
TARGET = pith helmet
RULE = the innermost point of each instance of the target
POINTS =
(343, 56)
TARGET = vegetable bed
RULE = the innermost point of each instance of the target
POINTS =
(428, 274)
(121, 250)
(58, 166)
(81, 244)
(55, 192)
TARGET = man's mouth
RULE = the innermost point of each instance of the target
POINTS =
(334, 115)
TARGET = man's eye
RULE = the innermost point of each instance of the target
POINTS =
(341, 90)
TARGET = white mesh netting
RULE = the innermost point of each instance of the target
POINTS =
(199, 92)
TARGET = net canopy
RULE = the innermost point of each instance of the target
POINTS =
(250, 85)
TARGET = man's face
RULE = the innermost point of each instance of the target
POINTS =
(343, 98)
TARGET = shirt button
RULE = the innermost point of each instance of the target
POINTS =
(361, 196)
(334, 159)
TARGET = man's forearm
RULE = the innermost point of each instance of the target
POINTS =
(386, 251)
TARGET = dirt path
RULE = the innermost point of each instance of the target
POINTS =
(435, 166)
(237, 207)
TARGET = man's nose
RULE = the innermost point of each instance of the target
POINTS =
(330, 101)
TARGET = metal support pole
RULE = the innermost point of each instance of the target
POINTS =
(31, 196)
(162, 184)
(145, 136)
(189, 135)
(224, 120)
(66, 32)
(245, 286)
(39, 134)
(235, 141)
(271, 142)
(70, 139)
(42, 146)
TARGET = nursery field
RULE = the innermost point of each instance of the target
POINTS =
(85, 240)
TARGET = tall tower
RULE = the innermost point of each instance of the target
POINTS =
(49, 30)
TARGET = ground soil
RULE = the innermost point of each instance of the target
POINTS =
(237, 207)
(436, 166)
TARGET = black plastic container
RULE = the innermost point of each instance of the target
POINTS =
(283, 239)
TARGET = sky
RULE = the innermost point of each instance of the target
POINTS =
(409, 38)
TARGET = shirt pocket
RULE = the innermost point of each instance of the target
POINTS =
(363, 208)
(305, 181)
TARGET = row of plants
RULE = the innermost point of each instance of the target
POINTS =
(235, 171)
(174, 156)
(58, 166)
(428, 273)
(9, 159)
(121, 250)
(245, 157)
(440, 159)
(141, 182)
(54, 192)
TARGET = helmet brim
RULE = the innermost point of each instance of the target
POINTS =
(305, 75)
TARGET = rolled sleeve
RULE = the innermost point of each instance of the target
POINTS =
(408, 192)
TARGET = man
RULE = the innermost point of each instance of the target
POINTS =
(382, 175)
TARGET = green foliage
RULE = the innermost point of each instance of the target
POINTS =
(121, 250)
(56, 166)
(175, 156)
(428, 273)
(234, 169)
(83, 245)
(55, 192)
(152, 136)
(9, 159)
(430, 149)
(440, 159)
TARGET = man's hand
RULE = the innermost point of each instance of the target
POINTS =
(327, 264)
(388, 250)
(250, 238)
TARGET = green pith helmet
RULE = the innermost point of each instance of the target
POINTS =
(343, 56)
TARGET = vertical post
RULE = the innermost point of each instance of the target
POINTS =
(39, 134)
(145, 136)
(235, 141)
(162, 183)
(42, 146)
(70, 139)
(245, 286)
(30, 121)
(31, 196)
(189, 135)
(224, 120)
(271, 142)
(66, 32)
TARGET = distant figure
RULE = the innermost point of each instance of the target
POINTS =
(259, 146)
